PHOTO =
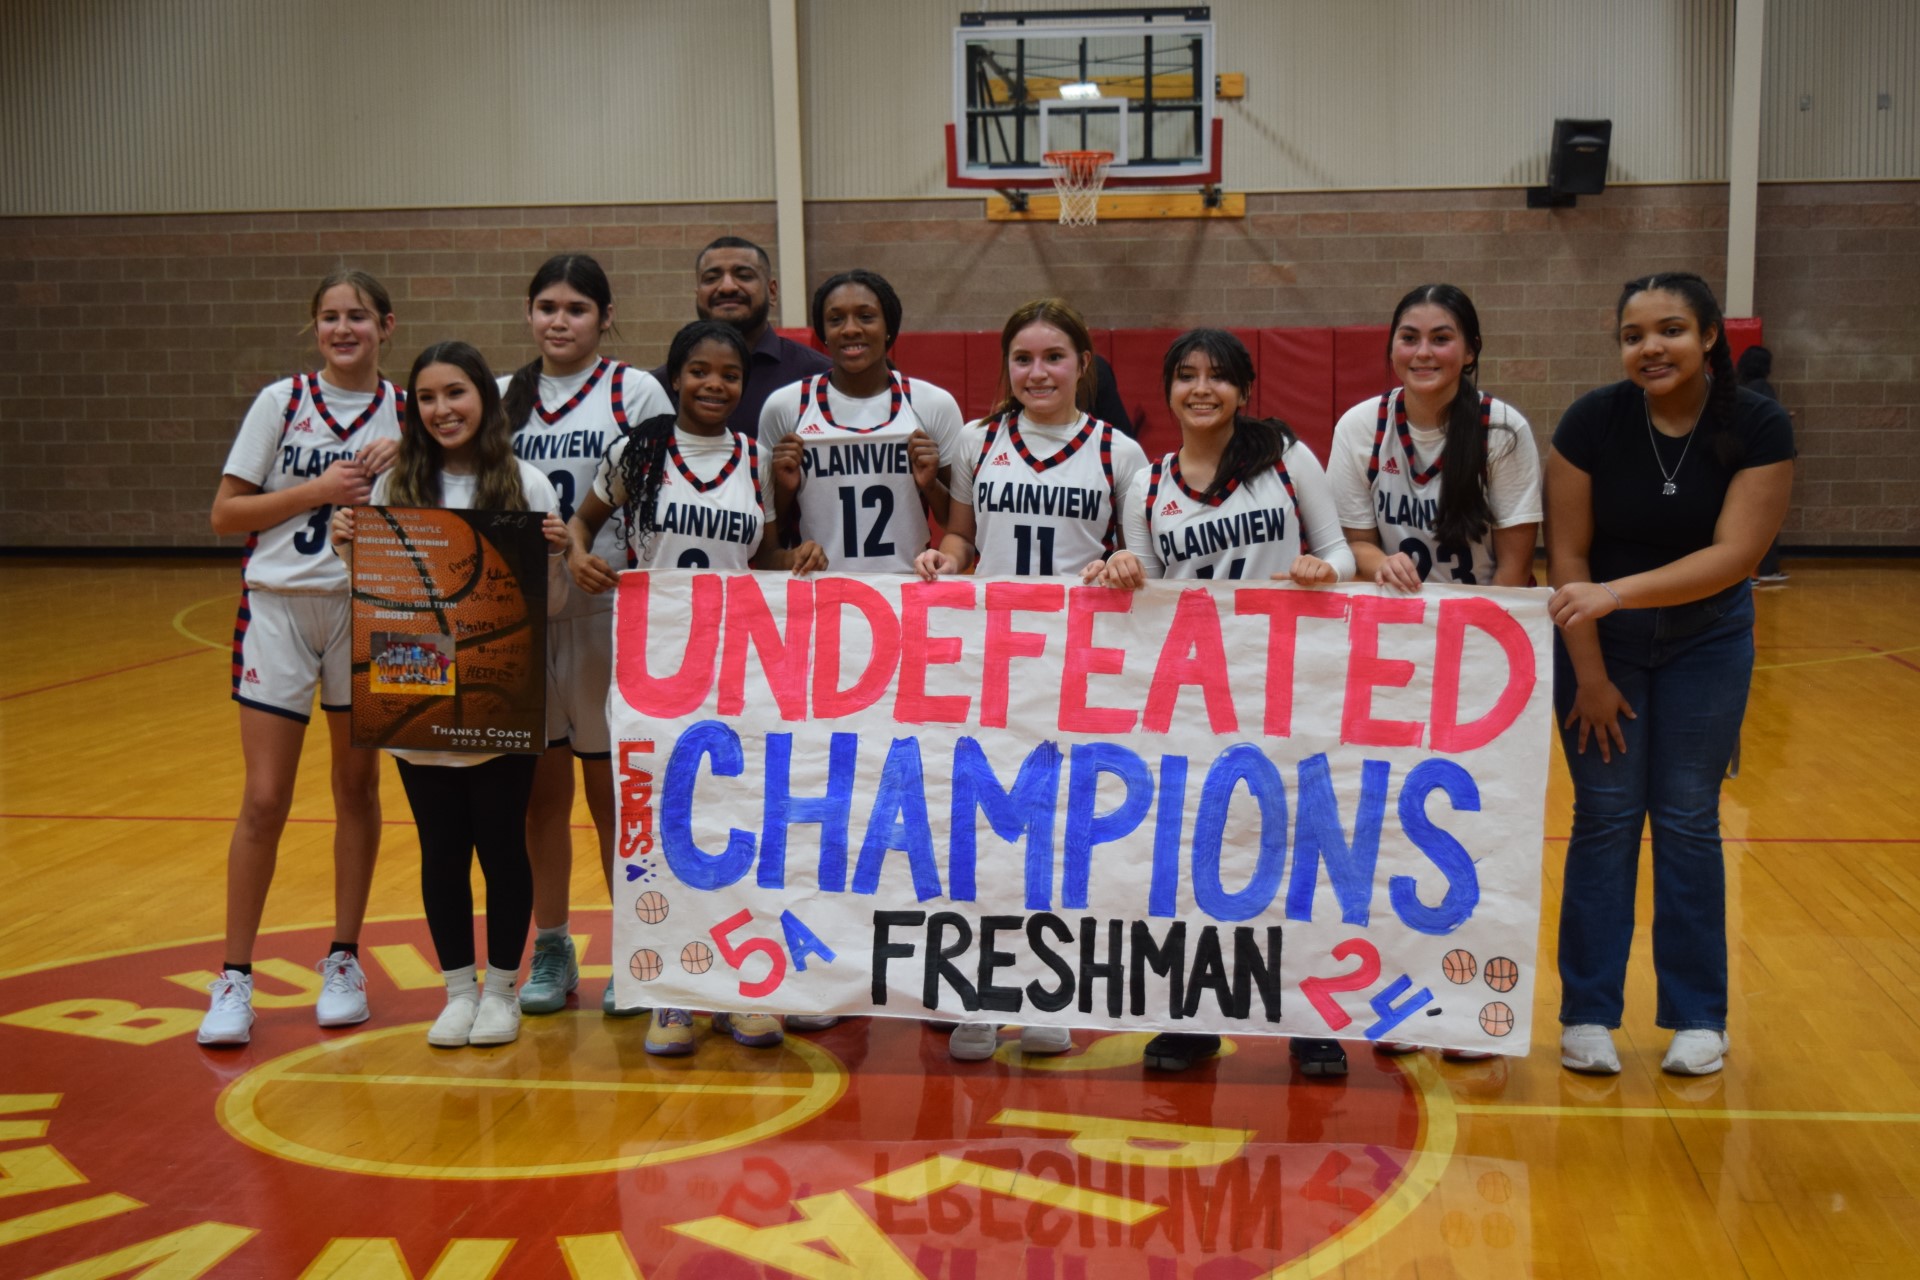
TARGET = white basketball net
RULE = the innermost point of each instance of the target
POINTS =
(1078, 177)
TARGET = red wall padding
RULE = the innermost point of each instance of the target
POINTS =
(1743, 333)
(1360, 369)
(1294, 386)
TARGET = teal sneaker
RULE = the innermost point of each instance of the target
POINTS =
(552, 976)
(608, 1008)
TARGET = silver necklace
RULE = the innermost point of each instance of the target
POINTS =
(1669, 488)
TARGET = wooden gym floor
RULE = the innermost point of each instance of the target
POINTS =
(864, 1151)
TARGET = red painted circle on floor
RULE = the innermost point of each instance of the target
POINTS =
(306, 1137)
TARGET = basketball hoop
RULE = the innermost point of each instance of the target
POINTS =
(1078, 177)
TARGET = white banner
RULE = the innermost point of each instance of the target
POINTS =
(1236, 807)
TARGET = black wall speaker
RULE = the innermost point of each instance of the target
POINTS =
(1577, 165)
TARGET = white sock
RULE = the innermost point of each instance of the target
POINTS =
(460, 983)
(500, 982)
(543, 934)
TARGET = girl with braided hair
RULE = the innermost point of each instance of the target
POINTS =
(667, 478)
(1663, 492)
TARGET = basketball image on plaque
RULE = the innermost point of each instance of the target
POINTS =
(449, 630)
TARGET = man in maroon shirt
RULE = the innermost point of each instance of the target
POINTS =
(733, 283)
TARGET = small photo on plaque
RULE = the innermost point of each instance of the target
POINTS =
(407, 662)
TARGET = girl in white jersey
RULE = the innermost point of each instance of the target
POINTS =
(1407, 522)
(874, 448)
(567, 408)
(309, 443)
(457, 452)
(1039, 492)
(689, 495)
(861, 454)
(1242, 498)
(1436, 481)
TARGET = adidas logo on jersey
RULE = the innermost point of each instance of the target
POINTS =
(812, 429)
(304, 426)
(252, 676)
(1392, 466)
(1171, 509)
(1002, 460)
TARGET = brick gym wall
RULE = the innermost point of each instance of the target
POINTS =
(130, 347)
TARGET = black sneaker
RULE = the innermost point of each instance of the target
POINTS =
(1180, 1051)
(1318, 1057)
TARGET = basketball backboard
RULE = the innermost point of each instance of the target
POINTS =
(1135, 82)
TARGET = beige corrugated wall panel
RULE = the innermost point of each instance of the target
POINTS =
(1828, 64)
(194, 105)
(1340, 93)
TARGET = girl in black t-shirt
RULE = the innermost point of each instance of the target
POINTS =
(1663, 491)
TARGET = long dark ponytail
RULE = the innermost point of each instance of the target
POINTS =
(578, 272)
(1257, 443)
(1463, 513)
(1723, 390)
(643, 465)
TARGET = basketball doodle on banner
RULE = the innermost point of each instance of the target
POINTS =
(1238, 807)
(449, 630)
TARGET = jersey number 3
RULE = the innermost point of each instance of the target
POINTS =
(1462, 558)
(311, 537)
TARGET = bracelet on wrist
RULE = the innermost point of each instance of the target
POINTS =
(1618, 603)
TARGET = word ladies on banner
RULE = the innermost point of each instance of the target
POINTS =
(449, 630)
(1237, 807)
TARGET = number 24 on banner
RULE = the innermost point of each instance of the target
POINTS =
(801, 942)
(1319, 991)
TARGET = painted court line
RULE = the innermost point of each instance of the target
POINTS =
(99, 675)
(1849, 657)
(186, 817)
(180, 621)
(588, 826)
(1686, 1113)
(586, 1086)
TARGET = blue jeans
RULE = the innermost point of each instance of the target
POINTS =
(1685, 672)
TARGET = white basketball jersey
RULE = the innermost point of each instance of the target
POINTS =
(1044, 516)
(710, 522)
(314, 432)
(566, 443)
(1252, 531)
(1406, 500)
(859, 501)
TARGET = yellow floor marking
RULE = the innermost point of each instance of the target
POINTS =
(1439, 1130)
(180, 622)
(65, 1216)
(588, 1086)
(797, 1103)
(1821, 662)
(937, 1173)
(1685, 1113)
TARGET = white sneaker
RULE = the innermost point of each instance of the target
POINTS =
(1588, 1047)
(497, 1021)
(1045, 1039)
(811, 1021)
(343, 993)
(455, 1024)
(1696, 1053)
(230, 1020)
(973, 1041)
